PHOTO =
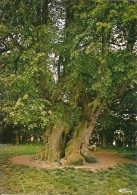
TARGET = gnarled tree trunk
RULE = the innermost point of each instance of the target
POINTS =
(77, 150)
(55, 139)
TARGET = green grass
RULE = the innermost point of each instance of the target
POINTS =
(20, 179)
(119, 149)
(130, 156)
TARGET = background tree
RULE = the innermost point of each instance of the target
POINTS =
(118, 118)
(24, 105)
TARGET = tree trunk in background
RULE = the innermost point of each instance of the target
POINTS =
(17, 139)
(42, 13)
(104, 139)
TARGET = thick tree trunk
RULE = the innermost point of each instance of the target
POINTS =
(77, 150)
(77, 147)
(55, 139)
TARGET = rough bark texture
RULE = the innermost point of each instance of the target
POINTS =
(77, 150)
(55, 138)
(74, 149)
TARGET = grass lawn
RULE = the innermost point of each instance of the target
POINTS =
(20, 179)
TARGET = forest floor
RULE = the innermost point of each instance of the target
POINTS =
(105, 159)
(114, 170)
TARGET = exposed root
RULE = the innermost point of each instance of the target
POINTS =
(41, 155)
(75, 159)
(63, 162)
(84, 151)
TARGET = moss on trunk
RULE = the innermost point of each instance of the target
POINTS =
(76, 150)
(53, 151)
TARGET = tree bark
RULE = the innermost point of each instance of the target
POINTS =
(55, 140)
(42, 13)
(17, 139)
(104, 139)
(77, 151)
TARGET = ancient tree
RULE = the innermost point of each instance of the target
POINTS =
(80, 58)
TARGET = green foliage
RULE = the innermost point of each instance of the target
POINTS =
(22, 104)
(130, 156)
(25, 67)
(121, 115)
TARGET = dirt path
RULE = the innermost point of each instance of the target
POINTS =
(105, 159)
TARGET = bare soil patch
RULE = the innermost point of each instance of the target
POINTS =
(105, 159)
